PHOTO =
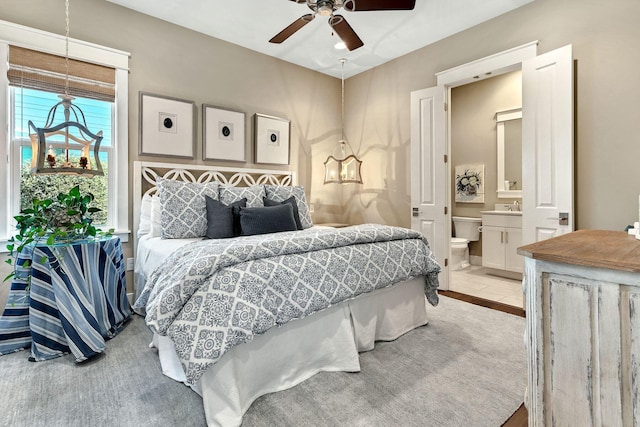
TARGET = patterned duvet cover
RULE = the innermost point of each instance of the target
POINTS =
(212, 295)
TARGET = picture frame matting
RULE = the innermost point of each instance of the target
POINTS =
(272, 145)
(223, 134)
(166, 126)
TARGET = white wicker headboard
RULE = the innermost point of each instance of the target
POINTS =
(145, 175)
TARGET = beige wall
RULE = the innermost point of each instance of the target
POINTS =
(473, 137)
(604, 36)
(173, 61)
(473, 133)
(4, 287)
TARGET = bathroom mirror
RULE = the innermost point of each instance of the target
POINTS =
(509, 144)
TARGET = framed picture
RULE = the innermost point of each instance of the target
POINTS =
(222, 134)
(271, 140)
(167, 126)
(470, 183)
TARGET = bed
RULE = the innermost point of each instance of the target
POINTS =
(279, 331)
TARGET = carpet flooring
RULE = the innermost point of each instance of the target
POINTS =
(466, 367)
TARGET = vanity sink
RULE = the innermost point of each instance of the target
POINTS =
(501, 236)
(514, 213)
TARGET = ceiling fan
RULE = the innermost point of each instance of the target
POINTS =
(337, 22)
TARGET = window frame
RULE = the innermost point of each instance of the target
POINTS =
(14, 34)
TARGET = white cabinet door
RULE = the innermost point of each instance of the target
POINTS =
(513, 261)
(493, 247)
(499, 248)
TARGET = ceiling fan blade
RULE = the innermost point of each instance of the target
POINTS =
(364, 5)
(299, 1)
(345, 32)
(295, 26)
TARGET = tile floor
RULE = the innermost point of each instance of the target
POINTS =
(475, 281)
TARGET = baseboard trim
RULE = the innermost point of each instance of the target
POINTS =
(475, 260)
(484, 302)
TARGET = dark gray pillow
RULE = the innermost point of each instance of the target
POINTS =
(281, 192)
(223, 220)
(292, 201)
(271, 219)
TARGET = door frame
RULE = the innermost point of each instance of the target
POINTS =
(483, 68)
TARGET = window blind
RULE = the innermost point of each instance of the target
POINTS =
(43, 71)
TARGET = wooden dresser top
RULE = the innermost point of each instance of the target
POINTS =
(615, 250)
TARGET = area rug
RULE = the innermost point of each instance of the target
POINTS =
(466, 367)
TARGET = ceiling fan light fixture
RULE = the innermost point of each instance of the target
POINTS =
(324, 7)
(340, 45)
(341, 27)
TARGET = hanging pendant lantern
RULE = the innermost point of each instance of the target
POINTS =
(343, 169)
(68, 147)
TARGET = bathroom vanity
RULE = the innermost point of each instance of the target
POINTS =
(501, 236)
(582, 294)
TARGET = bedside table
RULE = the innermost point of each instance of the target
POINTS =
(77, 300)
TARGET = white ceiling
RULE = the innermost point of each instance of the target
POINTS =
(386, 34)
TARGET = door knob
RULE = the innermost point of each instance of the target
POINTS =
(563, 218)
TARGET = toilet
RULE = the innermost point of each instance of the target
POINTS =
(465, 230)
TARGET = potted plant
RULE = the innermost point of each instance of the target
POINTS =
(65, 219)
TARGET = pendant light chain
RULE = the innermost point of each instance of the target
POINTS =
(342, 61)
(66, 55)
(66, 100)
(75, 132)
(344, 169)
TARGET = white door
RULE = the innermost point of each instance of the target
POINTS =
(547, 145)
(429, 174)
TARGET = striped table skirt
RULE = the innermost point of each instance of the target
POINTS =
(76, 300)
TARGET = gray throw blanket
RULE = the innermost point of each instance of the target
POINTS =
(212, 295)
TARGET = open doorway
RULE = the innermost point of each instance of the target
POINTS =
(477, 135)
(547, 144)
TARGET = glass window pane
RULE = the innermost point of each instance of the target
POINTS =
(34, 105)
(46, 186)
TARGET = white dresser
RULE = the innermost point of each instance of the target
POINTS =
(582, 293)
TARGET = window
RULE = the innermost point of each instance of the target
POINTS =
(20, 103)
(34, 105)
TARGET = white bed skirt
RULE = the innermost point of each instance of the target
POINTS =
(284, 357)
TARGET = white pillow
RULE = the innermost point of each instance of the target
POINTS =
(145, 216)
(150, 216)
(156, 221)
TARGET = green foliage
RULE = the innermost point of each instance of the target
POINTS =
(64, 219)
(47, 186)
